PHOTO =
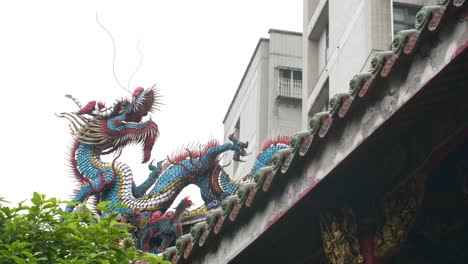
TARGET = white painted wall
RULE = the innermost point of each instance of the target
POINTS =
(350, 42)
(256, 106)
(283, 118)
(357, 30)
(245, 106)
(289, 117)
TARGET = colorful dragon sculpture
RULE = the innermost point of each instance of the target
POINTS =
(158, 225)
(98, 130)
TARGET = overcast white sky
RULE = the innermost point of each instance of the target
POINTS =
(195, 51)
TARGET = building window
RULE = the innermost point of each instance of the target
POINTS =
(290, 82)
(404, 17)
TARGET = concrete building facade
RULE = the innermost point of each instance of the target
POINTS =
(374, 178)
(341, 37)
(268, 99)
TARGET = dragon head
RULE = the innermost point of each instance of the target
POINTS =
(111, 129)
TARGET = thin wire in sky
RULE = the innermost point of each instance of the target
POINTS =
(113, 59)
(138, 67)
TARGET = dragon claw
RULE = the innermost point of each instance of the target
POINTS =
(107, 130)
(239, 148)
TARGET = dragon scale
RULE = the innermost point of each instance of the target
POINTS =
(98, 131)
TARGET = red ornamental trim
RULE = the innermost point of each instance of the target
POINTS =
(306, 142)
(218, 225)
(368, 83)
(436, 18)
(411, 42)
(325, 126)
(211, 144)
(285, 140)
(250, 197)
(203, 237)
(267, 182)
(188, 249)
(389, 62)
(234, 212)
(345, 107)
(189, 152)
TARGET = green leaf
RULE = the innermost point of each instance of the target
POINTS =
(27, 254)
(20, 245)
(102, 206)
(5, 252)
(36, 200)
(41, 233)
(18, 260)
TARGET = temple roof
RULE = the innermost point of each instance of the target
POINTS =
(236, 209)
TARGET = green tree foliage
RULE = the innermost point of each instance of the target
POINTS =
(43, 233)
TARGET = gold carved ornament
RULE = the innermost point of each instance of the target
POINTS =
(400, 209)
(340, 240)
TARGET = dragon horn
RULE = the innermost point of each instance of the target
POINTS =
(74, 100)
(71, 120)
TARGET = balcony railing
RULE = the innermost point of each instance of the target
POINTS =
(290, 88)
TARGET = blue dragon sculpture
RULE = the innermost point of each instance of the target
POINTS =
(158, 225)
(98, 131)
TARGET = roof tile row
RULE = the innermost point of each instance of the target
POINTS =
(404, 45)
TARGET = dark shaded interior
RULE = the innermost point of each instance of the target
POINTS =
(430, 130)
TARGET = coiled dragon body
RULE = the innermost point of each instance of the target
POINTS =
(98, 131)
